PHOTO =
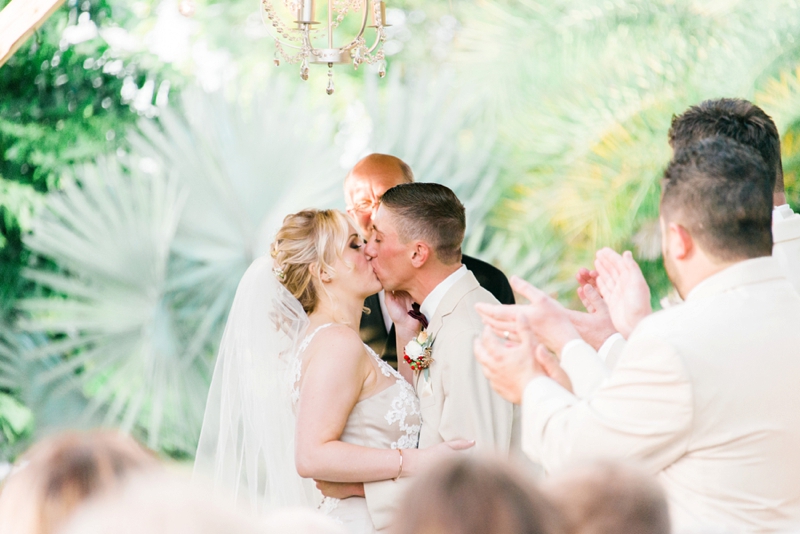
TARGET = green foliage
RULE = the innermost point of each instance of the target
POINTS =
(61, 103)
(66, 97)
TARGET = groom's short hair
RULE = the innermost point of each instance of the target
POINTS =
(719, 190)
(430, 212)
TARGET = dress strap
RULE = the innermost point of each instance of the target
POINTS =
(309, 337)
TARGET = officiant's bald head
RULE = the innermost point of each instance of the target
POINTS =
(366, 183)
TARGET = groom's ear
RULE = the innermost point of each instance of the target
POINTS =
(421, 252)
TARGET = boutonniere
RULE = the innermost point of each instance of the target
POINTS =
(417, 352)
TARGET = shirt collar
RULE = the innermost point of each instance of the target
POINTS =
(782, 212)
(434, 298)
(752, 271)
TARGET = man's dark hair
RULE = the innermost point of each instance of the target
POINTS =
(430, 212)
(738, 119)
(719, 191)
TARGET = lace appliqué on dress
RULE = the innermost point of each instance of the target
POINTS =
(403, 405)
(328, 505)
(296, 365)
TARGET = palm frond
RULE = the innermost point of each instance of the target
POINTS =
(111, 231)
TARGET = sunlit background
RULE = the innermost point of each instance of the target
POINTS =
(148, 150)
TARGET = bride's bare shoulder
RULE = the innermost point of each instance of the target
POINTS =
(337, 340)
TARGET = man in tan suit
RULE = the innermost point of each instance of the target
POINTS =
(703, 393)
(415, 251)
(741, 121)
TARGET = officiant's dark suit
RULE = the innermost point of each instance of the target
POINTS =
(373, 327)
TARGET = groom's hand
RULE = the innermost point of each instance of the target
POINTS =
(340, 490)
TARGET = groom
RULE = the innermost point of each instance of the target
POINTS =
(415, 249)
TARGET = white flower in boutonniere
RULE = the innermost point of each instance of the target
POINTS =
(417, 352)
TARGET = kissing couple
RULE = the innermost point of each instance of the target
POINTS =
(297, 397)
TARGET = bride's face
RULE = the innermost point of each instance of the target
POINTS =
(354, 274)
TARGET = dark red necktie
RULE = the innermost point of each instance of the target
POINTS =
(416, 314)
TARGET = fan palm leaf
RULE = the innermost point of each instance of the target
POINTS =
(111, 232)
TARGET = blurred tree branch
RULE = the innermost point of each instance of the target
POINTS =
(19, 20)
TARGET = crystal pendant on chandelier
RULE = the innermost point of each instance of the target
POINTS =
(304, 69)
(300, 38)
(330, 88)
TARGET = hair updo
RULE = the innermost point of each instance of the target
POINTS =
(308, 243)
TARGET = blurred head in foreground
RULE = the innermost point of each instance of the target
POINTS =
(162, 504)
(474, 496)
(59, 473)
(608, 498)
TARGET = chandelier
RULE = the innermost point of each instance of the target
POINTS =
(300, 38)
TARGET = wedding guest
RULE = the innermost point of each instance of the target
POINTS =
(364, 186)
(745, 123)
(475, 496)
(748, 124)
(700, 394)
(59, 473)
(608, 498)
(165, 504)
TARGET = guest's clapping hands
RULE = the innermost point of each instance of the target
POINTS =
(513, 347)
(548, 319)
(508, 366)
(624, 289)
(511, 366)
(596, 325)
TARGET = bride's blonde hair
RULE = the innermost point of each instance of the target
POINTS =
(307, 244)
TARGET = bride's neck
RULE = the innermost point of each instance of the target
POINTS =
(342, 311)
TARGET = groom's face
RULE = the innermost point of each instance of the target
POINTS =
(391, 258)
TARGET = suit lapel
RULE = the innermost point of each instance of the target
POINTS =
(466, 283)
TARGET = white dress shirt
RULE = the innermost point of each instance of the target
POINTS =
(786, 239)
(434, 298)
(387, 321)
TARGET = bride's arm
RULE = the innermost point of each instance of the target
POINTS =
(330, 388)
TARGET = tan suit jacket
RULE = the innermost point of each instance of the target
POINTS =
(457, 402)
(588, 372)
(705, 396)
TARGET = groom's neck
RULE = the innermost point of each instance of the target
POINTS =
(428, 277)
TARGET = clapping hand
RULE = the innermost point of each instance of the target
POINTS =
(596, 325)
(624, 289)
(549, 320)
(511, 366)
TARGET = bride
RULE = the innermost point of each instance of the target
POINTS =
(295, 394)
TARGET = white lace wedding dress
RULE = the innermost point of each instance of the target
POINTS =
(246, 445)
(389, 419)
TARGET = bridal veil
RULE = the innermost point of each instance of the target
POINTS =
(246, 445)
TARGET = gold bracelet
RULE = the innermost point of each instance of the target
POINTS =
(400, 472)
